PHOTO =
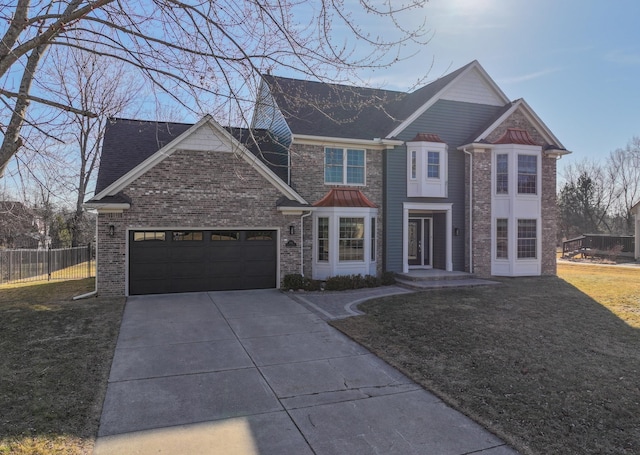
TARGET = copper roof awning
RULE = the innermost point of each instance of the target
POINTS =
(345, 197)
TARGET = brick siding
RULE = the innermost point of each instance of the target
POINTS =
(194, 189)
(481, 250)
(307, 178)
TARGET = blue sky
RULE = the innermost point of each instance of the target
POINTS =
(577, 63)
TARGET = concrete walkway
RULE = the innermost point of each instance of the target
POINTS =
(255, 372)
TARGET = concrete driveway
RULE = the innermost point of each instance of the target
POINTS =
(255, 372)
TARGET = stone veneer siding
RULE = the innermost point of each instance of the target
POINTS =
(193, 189)
(307, 178)
(481, 249)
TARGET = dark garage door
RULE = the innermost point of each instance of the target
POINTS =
(208, 260)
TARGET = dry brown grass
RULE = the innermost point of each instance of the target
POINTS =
(549, 364)
(55, 356)
(615, 288)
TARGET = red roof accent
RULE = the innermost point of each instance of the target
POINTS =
(516, 136)
(427, 137)
(344, 197)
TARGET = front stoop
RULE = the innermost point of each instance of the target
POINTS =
(423, 279)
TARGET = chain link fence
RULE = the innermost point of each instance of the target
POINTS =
(47, 264)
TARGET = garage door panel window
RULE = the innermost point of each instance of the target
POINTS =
(187, 236)
(225, 235)
(260, 235)
(149, 236)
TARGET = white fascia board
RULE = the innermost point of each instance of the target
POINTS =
(295, 210)
(371, 144)
(474, 66)
(107, 207)
(475, 147)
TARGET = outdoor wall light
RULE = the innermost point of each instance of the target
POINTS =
(292, 229)
(112, 230)
(456, 231)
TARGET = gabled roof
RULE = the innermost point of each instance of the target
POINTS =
(137, 151)
(504, 114)
(331, 110)
(127, 143)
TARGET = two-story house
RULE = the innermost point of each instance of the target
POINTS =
(330, 180)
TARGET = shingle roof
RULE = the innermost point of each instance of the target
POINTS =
(321, 109)
(127, 143)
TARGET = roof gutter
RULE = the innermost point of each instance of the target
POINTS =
(376, 143)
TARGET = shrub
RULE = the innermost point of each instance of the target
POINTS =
(387, 278)
(295, 282)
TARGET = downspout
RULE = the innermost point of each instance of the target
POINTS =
(464, 149)
(302, 217)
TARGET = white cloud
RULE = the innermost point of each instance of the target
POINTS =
(529, 76)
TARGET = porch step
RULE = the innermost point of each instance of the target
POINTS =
(433, 275)
(439, 279)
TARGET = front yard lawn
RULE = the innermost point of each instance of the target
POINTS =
(55, 356)
(551, 365)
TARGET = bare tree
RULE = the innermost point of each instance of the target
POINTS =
(585, 199)
(199, 54)
(95, 85)
(623, 167)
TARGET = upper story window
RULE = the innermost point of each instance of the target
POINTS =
(414, 164)
(427, 166)
(527, 174)
(344, 166)
(502, 173)
(433, 165)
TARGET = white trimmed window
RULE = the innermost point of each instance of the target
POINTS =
(344, 241)
(414, 164)
(323, 239)
(351, 243)
(527, 174)
(502, 238)
(502, 173)
(344, 166)
(433, 165)
(427, 169)
(527, 239)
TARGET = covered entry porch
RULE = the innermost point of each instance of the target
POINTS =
(427, 236)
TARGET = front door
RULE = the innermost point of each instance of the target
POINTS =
(419, 245)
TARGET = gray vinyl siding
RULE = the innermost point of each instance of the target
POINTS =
(455, 123)
(268, 116)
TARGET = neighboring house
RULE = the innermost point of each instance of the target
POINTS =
(19, 226)
(636, 212)
(330, 180)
